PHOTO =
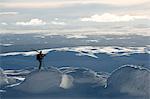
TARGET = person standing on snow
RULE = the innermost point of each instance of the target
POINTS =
(40, 57)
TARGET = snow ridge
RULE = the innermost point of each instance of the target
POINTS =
(89, 51)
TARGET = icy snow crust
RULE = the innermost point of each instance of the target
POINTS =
(128, 80)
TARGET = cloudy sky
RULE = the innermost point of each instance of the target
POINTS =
(75, 16)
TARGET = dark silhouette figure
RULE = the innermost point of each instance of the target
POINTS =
(40, 57)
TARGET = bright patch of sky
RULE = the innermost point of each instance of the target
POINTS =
(75, 16)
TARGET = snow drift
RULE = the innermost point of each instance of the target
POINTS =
(132, 80)
(41, 81)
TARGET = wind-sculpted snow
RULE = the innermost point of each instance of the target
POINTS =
(17, 72)
(84, 76)
(50, 79)
(3, 78)
(89, 51)
(41, 81)
(6, 45)
(7, 80)
(132, 80)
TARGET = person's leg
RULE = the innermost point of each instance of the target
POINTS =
(40, 64)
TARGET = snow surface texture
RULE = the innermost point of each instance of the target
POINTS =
(41, 81)
(132, 80)
(17, 72)
(3, 78)
(84, 76)
(89, 51)
(6, 80)
(66, 78)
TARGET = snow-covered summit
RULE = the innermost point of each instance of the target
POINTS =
(41, 81)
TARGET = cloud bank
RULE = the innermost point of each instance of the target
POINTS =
(9, 13)
(4, 23)
(32, 22)
(108, 17)
(65, 3)
(58, 23)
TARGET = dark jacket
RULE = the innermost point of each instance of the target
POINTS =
(40, 56)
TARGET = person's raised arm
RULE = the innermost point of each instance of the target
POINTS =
(36, 50)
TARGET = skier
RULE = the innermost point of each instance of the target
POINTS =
(40, 57)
